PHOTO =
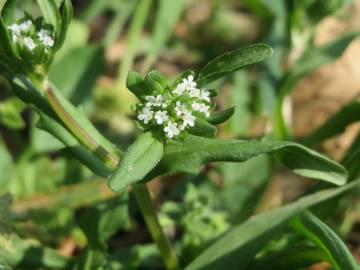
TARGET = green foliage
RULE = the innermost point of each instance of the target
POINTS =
(319, 233)
(193, 152)
(232, 61)
(204, 166)
(240, 244)
(140, 158)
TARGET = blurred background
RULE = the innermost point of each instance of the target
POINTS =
(51, 193)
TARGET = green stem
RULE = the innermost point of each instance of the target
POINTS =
(141, 191)
(148, 211)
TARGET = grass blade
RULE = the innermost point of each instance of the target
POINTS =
(318, 232)
(237, 248)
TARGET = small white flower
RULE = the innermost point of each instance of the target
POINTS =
(189, 119)
(180, 108)
(29, 43)
(180, 89)
(171, 130)
(189, 82)
(194, 92)
(45, 38)
(25, 26)
(201, 107)
(161, 117)
(146, 115)
(205, 95)
(17, 29)
(157, 101)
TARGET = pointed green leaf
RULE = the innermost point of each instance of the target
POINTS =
(138, 160)
(299, 257)
(156, 80)
(237, 248)
(50, 12)
(326, 239)
(203, 128)
(137, 85)
(222, 116)
(6, 48)
(66, 17)
(351, 161)
(193, 152)
(232, 61)
(8, 11)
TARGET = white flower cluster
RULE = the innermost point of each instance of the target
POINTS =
(176, 109)
(23, 32)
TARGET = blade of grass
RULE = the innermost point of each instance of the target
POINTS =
(318, 232)
(136, 26)
(168, 14)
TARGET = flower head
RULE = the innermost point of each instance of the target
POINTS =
(26, 36)
(176, 110)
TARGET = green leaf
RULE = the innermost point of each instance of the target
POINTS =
(10, 113)
(50, 12)
(66, 17)
(193, 152)
(76, 73)
(24, 254)
(237, 248)
(168, 14)
(220, 117)
(8, 11)
(326, 239)
(156, 80)
(140, 158)
(347, 115)
(6, 49)
(203, 128)
(351, 161)
(233, 61)
(298, 257)
(2, 3)
(137, 85)
(101, 221)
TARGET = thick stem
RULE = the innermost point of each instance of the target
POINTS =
(148, 211)
(141, 191)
